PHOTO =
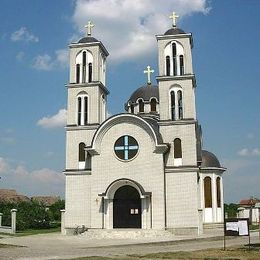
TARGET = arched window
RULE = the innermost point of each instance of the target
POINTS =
(176, 103)
(141, 105)
(174, 59)
(82, 109)
(180, 110)
(79, 110)
(168, 66)
(77, 73)
(82, 152)
(173, 105)
(90, 72)
(177, 148)
(84, 71)
(84, 67)
(153, 105)
(181, 65)
(207, 192)
(218, 192)
(85, 110)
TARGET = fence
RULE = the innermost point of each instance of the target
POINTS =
(12, 228)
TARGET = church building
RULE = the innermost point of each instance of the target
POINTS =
(144, 168)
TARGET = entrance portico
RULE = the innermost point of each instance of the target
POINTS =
(126, 205)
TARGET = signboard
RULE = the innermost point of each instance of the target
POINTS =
(236, 227)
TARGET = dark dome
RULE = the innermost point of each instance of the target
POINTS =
(174, 31)
(88, 39)
(145, 92)
(209, 160)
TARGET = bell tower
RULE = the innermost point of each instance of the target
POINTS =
(177, 84)
(87, 92)
(87, 96)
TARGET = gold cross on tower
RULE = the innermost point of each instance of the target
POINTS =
(89, 27)
(148, 72)
(174, 17)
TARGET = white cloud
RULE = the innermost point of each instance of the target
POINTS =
(7, 140)
(249, 152)
(37, 182)
(256, 152)
(43, 62)
(23, 35)
(3, 165)
(20, 56)
(250, 136)
(62, 58)
(47, 63)
(128, 27)
(57, 120)
(243, 152)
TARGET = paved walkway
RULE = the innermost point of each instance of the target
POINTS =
(56, 246)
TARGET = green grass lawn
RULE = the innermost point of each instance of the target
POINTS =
(29, 232)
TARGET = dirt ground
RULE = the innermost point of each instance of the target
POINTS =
(56, 246)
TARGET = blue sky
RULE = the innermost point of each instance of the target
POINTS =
(34, 36)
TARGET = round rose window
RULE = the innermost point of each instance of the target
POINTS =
(126, 147)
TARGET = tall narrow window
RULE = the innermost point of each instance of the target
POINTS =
(88, 161)
(132, 108)
(90, 72)
(77, 73)
(174, 59)
(173, 105)
(153, 105)
(181, 65)
(179, 95)
(84, 67)
(141, 105)
(79, 110)
(218, 192)
(85, 110)
(207, 192)
(168, 66)
(177, 148)
(82, 152)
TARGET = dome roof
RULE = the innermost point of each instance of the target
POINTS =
(209, 160)
(88, 39)
(145, 92)
(174, 31)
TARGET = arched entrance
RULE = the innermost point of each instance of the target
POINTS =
(127, 208)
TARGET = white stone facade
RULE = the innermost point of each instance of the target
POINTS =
(153, 152)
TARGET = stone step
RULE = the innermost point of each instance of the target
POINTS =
(126, 233)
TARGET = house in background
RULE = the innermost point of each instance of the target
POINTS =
(249, 208)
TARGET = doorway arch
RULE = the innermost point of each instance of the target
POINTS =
(127, 208)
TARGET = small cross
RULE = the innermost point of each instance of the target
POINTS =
(148, 72)
(89, 27)
(174, 17)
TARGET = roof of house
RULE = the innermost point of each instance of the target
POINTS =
(10, 195)
(249, 202)
(46, 200)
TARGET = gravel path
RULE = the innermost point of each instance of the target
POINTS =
(56, 246)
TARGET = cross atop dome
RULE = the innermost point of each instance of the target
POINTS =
(89, 27)
(174, 17)
(148, 72)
